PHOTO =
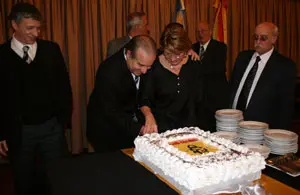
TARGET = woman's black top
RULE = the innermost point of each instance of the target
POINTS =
(173, 99)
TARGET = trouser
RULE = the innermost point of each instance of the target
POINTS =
(40, 144)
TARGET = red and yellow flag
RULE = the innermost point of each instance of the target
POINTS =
(220, 22)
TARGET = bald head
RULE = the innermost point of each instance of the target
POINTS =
(143, 42)
(265, 37)
(140, 54)
(270, 26)
(203, 32)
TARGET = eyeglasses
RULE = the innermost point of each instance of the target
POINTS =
(169, 55)
(201, 31)
(260, 37)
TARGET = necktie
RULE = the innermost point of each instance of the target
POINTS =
(26, 57)
(242, 101)
(201, 52)
(136, 81)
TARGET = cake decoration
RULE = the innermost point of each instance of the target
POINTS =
(197, 162)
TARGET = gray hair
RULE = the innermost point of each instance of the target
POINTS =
(134, 19)
(24, 10)
(275, 31)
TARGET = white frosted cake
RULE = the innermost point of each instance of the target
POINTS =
(197, 162)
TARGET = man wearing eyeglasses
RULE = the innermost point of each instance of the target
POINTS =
(213, 58)
(263, 81)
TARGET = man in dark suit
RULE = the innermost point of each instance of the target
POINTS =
(113, 115)
(36, 99)
(213, 59)
(263, 81)
(137, 24)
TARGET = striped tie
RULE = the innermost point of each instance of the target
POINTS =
(136, 79)
(201, 52)
(26, 57)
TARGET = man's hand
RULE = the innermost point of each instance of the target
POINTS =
(3, 148)
(150, 122)
(150, 125)
(194, 55)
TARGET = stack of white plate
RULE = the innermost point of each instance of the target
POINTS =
(233, 136)
(252, 132)
(228, 119)
(263, 150)
(281, 141)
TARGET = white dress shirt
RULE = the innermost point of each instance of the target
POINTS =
(17, 47)
(261, 65)
(205, 45)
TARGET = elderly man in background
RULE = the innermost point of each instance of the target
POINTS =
(137, 24)
(213, 59)
(263, 81)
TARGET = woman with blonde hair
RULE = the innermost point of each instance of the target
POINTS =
(172, 89)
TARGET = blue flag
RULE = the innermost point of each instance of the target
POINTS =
(180, 13)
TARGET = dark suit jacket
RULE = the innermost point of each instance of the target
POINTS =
(116, 44)
(272, 100)
(55, 74)
(112, 105)
(215, 85)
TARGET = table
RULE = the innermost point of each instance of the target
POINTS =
(271, 185)
(105, 173)
(118, 173)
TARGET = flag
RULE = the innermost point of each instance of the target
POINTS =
(220, 21)
(180, 13)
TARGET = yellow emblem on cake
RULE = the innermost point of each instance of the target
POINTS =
(195, 148)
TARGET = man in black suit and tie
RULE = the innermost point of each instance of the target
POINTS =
(36, 100)
(137, 24)
(113, 115)
(213, 59)
(263, 81)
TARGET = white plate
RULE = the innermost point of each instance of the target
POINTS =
(252, 130)
(258, 148)
(227, 135)
(229, 113)
(282, 153)
(283, 142)
(253, 125)
(229, 118)
(251, 134)
(221, 124)
(280, 135)
(227, 130)
(251, 141)
(280, 144)
(227, 127)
